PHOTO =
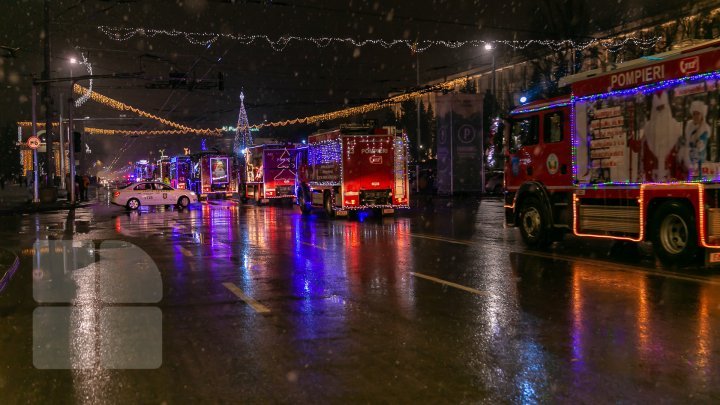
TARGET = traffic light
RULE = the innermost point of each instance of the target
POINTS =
(77, 142)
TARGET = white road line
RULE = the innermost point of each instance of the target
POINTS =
(442, 239)
(258, 307)
(185, 251)
(449, 283)
(583, 260)
(310, 244)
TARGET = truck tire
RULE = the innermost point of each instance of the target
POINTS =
(257, 197)
(327, 204)
(305, 205)
(674, 237)
(533, 221)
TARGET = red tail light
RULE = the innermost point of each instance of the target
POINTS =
(116, 194)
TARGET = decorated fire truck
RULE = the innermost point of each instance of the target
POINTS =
(631, 154)
(209, 174)
(354, 168)
(270, 172)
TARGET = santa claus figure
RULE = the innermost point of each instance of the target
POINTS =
(660, 137)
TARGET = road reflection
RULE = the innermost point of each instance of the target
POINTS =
(648, 328)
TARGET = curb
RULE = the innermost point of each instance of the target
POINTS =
(5, 280)
(29, 209)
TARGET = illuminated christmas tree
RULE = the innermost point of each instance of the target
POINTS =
(243, 137)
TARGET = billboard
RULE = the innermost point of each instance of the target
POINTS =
(219, 173)
(459, 143)
(661, 136)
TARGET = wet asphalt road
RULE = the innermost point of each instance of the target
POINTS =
(439, 305)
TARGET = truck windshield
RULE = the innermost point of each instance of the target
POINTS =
(523, 132)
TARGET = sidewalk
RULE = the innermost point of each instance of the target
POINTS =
(15, 199)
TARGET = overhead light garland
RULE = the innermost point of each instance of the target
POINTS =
(117, 105)
(279, 44)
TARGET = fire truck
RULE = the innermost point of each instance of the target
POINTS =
(631, 155)
(354, 168)
(180, 171)
(270, 172)
(209, 174)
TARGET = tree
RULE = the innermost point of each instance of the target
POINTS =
(9, 156)
(559, 19)
(243, 136)
(390, 119)
(408, 121)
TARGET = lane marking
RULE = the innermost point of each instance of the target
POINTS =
(310, 244)
(258, 307)
(442, 239)
(448, 283)
(581, 260)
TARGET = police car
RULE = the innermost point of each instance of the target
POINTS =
(152, 193)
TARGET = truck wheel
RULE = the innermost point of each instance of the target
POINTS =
(674, 237)
(327, 204)
(133, 204)
(534, 223)
(305, 206)
(257, 197)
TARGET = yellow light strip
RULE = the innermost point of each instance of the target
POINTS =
(117, 105)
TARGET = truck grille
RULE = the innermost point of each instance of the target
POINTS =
(375, 197)
(284, 190)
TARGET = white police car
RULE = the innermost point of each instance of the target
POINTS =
(152, 193)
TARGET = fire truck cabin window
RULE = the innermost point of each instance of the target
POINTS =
(523, 133)
(553, 127)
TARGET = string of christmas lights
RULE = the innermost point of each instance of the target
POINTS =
(117, 105)
(279, 44)
(82, 99)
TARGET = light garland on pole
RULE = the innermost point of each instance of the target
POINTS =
(279, 44)
(82, 99)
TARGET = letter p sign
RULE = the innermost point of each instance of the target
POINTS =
(94, 311)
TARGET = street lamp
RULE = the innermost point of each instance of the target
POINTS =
(489, 47)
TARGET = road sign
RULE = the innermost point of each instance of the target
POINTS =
(33, 142)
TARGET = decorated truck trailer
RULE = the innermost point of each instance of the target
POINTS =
(270, 172)
(631, 154)
(354, 168)
(209, 174)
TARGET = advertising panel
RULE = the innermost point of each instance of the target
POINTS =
(459, 143)
(661, 136)
(219, 170)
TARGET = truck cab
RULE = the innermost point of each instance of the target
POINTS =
(538, 166)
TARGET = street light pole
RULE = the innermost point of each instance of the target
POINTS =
(71, 145)
(36, 196)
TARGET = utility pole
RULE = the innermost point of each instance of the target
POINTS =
(47, 100)
(417, 102)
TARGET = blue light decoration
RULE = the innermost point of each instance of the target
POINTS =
(203, 144)
(542, 108)
(523, 100)
(644, 90)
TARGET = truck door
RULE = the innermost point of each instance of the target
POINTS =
(523, 148)
(554, 157)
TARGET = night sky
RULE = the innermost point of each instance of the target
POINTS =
(298, 81)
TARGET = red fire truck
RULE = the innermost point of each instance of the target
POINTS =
(270, 172)
(631, 155)
(353, 168)
(211, 174)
